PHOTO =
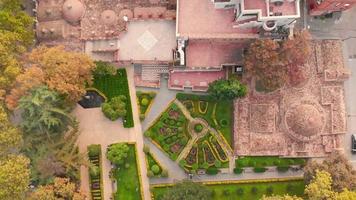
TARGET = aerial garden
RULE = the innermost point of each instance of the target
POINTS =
(144, 101)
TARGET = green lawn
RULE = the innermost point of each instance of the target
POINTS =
(128, 183)
(264, 161)
(223, 113)
(115, 85)
(233, 191)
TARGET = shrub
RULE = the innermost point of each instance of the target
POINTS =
(142, 117)
(94, 171)
(172, 122)
(212, 171)
(198, 128)
(240, 191)
(179, 124)
(150, 174)
(195, 166)
(164, 173)
(254, 190)
(174, 156)
(144, 102)
(139, 93)
(115, 108)
(146, 149)
(282, 168)
(104, 68)
(148, 133)
(183, 141)
(205, 165)
(217, 163)
(269, 190)
(152, 95)
(223, 122)
(259, 169)
(94, 150)
(226, 192)
(117, 153)
(252, 163)
(182, 163)
(276, 162)
(155, 169)
(238, 170)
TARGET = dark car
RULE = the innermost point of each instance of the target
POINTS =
(353, 143)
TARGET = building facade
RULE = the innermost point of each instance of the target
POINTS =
(322, 7)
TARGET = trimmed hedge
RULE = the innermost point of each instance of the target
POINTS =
(282, 168)
(259, 169)
(95, 173)
(212, 171)
(184, 97)
(238, 170)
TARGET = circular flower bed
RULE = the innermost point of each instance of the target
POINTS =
(198, 128)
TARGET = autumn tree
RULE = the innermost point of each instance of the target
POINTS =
(263, 61)
(320, 187)
(336, 164)
(64, 71)
(61, 188)
(14, 177)
(10, 136)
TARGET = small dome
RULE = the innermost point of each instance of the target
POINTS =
(109, 17)
(304, 120)
(73, 10)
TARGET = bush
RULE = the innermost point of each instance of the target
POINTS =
(94, 150)
(144, 102)
(172, 122)
(198, 128)
(240, 191)
(238, 170)
(103, 69)
(212, 171)
(139, 93)
(146, 149)
(223, 123)
(217, 163)
(164, 173)
(150, 174)
(254, 190)
(94, 171)
(259, 169)
(142, 117)
(117, 153)
(152, 95)
(282, 168)
(115, 108)
(195, 166)
(182, 163)
(155, 169)
(174, 156)
(183, 141)
(205, 165)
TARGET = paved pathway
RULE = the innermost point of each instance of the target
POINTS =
(95, 128)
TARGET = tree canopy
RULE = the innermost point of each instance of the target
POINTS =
(227, 89)
(188, 191)
(10, 136)
(117, 153)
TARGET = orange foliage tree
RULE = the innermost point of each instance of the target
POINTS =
(63, 71)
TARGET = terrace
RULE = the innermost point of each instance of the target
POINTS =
(271, 8)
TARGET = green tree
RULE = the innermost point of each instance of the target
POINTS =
(43, 112)
(188, 191)
(320, 187)
(227, 89)
(115, 108)
(14, 177)
(117, 153)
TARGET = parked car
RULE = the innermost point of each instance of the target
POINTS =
(353, 143)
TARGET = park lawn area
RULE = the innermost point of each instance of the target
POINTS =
(230, 191)
(151, 161)
(128, 179)
(169, 131)
(115, 85)
(219, 114)
(265, 161)
(144, 101)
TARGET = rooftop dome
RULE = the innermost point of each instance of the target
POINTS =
(109, 17)
(73, 10)
(304, 120)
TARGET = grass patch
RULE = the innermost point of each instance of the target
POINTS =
(265, 161)
(245, 191)
(113, 86)
(219, 114)
(128, 179)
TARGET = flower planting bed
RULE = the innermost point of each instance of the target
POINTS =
(218, 114)
(169, 131)
(245, 190)
(113, 86)
(95, 172)
(203, 156)
(144, 101)
(128, 178)
(154, 168)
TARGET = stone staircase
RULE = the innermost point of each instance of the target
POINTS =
(153, 72)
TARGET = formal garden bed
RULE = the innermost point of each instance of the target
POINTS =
(114, 84)
(95, 172)
(154, 168)
(205, 156)
(144, 101)
(259, 163)
(245, 190)
(169, 131)
(218, 114)
(125, 172)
